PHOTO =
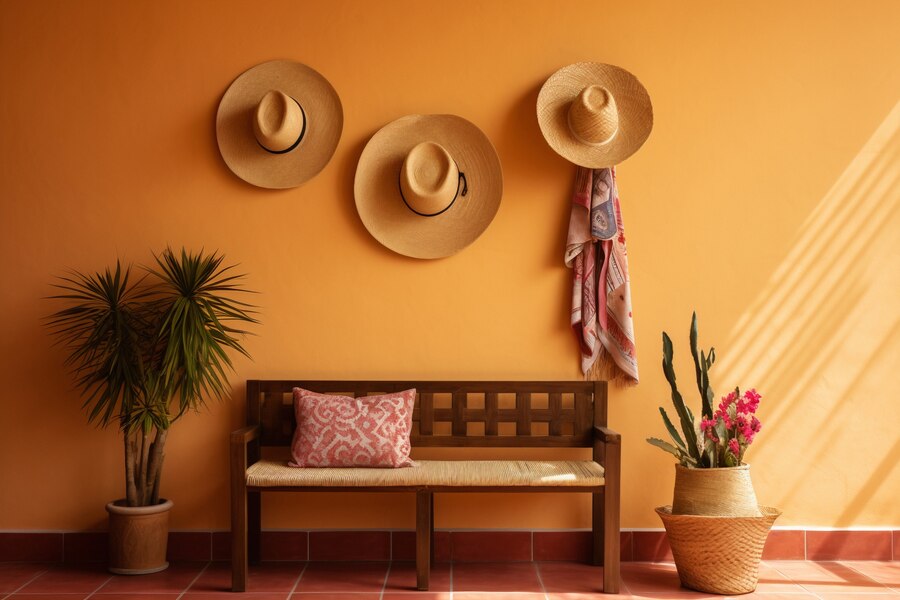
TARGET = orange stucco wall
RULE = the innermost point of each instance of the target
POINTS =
(766, 198)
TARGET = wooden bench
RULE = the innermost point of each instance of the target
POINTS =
(447, 414)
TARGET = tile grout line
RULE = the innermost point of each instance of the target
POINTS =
(384, 584)
(99, 587)
(299, 577)
(855, 570)
(21, 587)
(537, 570)
(194, 580)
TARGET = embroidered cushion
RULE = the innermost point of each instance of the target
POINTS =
(339, 431)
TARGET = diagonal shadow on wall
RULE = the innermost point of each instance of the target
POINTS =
(820, 339)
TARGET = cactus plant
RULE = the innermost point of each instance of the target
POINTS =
(687, 449)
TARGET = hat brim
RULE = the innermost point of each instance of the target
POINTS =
(632, 101)
(377, 191)
(234, 129)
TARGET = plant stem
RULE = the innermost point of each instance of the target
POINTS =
(154, 469)
(131, 496)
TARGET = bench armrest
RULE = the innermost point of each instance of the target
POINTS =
(604, 434)
(245, 435)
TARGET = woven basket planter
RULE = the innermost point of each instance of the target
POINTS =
(721, 554)
(725, 491)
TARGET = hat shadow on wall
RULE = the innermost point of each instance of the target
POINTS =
(527, 160)
(347, 161)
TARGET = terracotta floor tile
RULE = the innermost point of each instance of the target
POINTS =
(758, 595)
(497, 596)
(265, 577)
(54, 596)
(15, 575)
(828, 577)
(68, 579)
(226, 595)
(887, 573)
(402, 578)
(343, 577)
(587, 596)
(684, 594)
(773, 581)
(135, 596)
(495, 577)
(414, 596)
(176, 578)
(858, 596)
(337, 596)
(571, 577)
(651, 577)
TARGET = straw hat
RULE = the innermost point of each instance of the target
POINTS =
(278, 124)
(594, 115)
(428, 185)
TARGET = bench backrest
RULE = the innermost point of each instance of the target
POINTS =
(455, 413)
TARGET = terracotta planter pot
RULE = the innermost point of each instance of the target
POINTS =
(138, 537)
(726, 492)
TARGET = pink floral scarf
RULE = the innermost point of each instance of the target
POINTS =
(601, 294)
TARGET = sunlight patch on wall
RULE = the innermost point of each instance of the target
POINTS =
(819, 338)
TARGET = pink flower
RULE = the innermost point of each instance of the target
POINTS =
(707, 426)
(749, 402)
(734, 447)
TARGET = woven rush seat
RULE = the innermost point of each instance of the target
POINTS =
(436, 473)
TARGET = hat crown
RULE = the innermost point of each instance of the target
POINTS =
(594, 116)
(429, 178)
(278, 121)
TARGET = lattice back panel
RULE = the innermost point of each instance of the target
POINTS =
(455, 413)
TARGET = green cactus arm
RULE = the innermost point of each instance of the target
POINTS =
(695, 353)
(672, 431)
(687, 420)
(676, 452)
(705, 395)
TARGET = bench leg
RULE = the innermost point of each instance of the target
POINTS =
(254, 527)
(424, 524)
(598, 506)
(610, 506)
(238, 523)
(431, 529)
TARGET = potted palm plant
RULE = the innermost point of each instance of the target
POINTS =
(145, 350)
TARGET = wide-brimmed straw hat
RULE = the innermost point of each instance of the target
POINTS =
(594, 115)
(428, 185)
(278, 124)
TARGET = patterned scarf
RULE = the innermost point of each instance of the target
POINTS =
(601, 294)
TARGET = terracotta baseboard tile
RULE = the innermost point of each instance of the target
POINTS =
(785, 545)
(849, 545)
(403, 546)
(221, 545)
(349, 545)
(189, 546)
(283, 545)
(31, 547)
(896, 536)
(459, 546)
(84, 546)
(651, 546)
(487, 546)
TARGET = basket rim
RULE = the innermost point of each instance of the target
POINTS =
(768, 512)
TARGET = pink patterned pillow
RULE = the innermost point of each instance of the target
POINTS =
(339, 431)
